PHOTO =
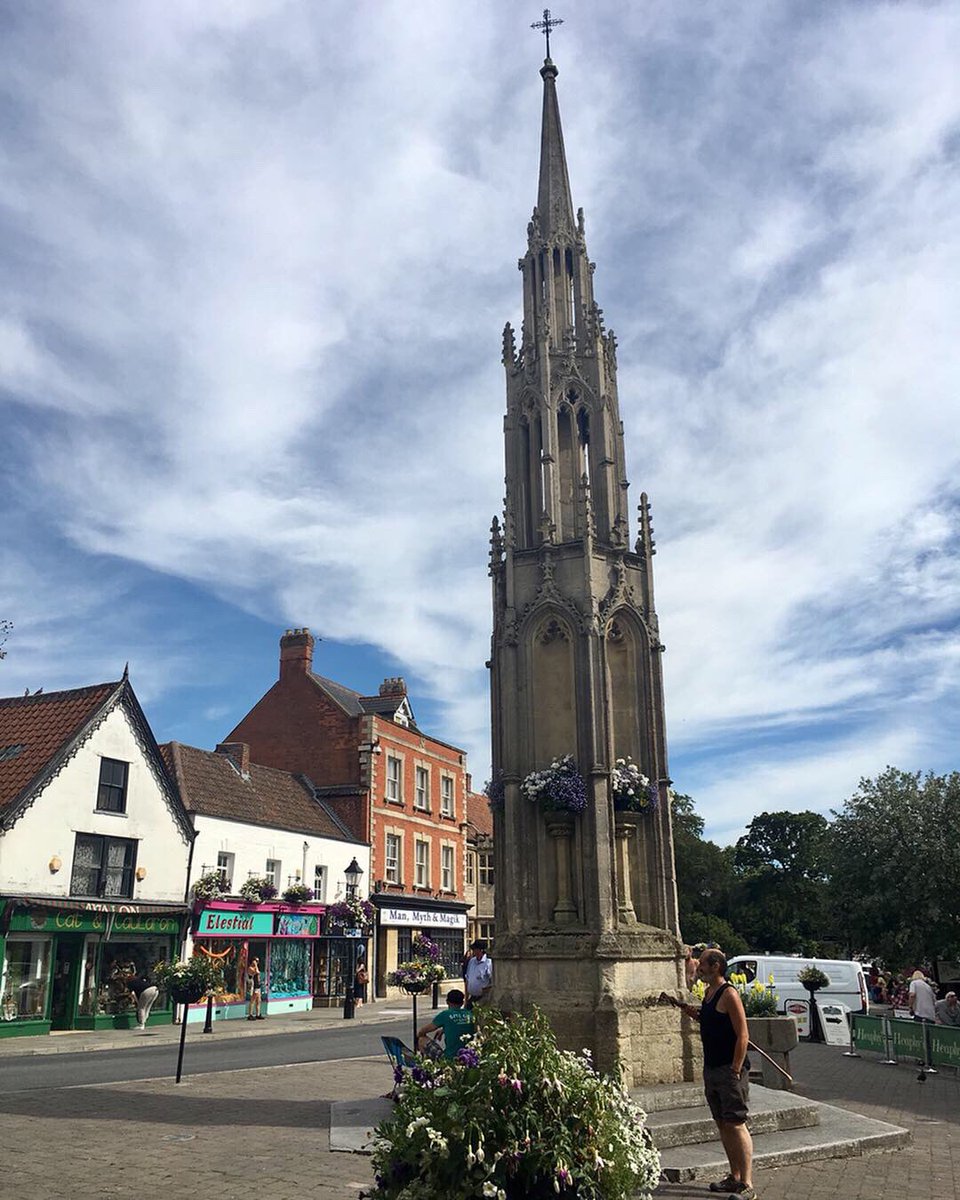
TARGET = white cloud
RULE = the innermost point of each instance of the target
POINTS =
(257, 260)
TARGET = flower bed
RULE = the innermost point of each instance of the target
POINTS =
(513, 1116)
(759, 1000)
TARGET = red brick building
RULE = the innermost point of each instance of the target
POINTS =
(392, 784)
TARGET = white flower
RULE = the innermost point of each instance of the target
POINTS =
(480, 1154)
(490, 1189)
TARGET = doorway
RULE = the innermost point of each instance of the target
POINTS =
(66, 974)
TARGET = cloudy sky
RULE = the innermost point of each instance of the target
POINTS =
(256, 256)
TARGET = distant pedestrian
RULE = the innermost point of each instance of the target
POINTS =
(923, 998)
(253, 990)
(947, 1010)
(360, 981)
(690, 965)
(144, 993)
(478, 974)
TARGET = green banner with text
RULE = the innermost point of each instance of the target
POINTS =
(867, 1033)
(908, 1040)
(944, 1046)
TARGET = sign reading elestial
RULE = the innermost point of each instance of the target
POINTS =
(235, 924)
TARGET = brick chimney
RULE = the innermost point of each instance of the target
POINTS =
(396, 686)
(239, 755)
(296, 652)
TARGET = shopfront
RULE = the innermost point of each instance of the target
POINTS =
(400, 918)
(301, 967)
(68, 967)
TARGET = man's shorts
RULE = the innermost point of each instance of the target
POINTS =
(727, 1094)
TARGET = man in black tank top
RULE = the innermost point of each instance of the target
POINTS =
(726, 1071)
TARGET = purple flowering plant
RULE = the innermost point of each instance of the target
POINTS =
(257, 888)
(513, 1116)
(632, 790)
(557, 788)
(352, 913)
(495, 791)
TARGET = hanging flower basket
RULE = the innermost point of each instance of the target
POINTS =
(632, 791)
(495, 791)
(258, 888)
(209, 886)
(557, 788)
(186, 981)
(352, 913)
(298, 893)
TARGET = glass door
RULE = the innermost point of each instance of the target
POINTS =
(66, 973)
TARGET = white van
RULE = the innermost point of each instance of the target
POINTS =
(847, 983)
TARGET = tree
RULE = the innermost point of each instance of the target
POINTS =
(5, 627)
(896, 862)
(704, 880)
(781, 864)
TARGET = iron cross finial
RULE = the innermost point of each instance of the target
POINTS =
(546, 25)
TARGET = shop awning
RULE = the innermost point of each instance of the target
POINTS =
(143, 908)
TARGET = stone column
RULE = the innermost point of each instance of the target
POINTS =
(624, 831)
(560, 828)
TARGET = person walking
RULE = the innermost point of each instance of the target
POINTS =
(478, 974)
(726, 1071)
(360, 981)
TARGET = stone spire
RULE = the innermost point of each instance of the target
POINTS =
(554, 206)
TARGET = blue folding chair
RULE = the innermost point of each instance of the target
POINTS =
(399, 1054)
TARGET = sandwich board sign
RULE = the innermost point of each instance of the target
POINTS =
(833, 1022)
(800, 1011)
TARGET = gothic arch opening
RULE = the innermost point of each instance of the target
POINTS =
(628, 692)
(554, 709)
(568, 474)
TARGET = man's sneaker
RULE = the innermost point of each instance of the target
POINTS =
(727, 1184)
(742, 1191)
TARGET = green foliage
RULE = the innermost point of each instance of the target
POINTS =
(199, 973)
(895, 864)
(812, 977)
(514, 1117)
(700, 927)
(705, 881)
(759, 1000)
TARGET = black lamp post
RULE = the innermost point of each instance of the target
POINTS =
(352, 875)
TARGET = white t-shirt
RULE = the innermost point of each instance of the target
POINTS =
(924, 998)
(478, 975)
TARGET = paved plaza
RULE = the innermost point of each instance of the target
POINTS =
(265, 1132)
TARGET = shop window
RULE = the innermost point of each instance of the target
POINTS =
(225, 867)
(103, 866)
(272, 872)
(112, 791)
(471, 868)
(320, 883)
(422, 863)
(289, 967)
(26, 976)
(394, 780)
(485, 862)
(446, 868)
(421, 792)
(446, 796)
(108, 968)
(391, 858)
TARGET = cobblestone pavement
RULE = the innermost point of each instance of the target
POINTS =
(265, 1133)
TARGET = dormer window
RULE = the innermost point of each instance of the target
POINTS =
(112, 789)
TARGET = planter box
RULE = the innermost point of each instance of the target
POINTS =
(777, 1036)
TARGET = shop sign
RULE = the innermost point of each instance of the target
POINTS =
(298, 925)
(217, 923)
(419, 916)
(944, 1046)
(44, 921)
(800, 1011)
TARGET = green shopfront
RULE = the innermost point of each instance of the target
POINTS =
(65, 966)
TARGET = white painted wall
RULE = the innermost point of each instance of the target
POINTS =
(252, 845)
(68, 805)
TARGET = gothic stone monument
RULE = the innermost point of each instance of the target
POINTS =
(586, 906)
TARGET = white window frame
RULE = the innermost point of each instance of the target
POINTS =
(389, 836)
(448, 867)
(393, 786)
(421, 869)
(485, 868)
(272, 871)
(448, 794)
(421, 795)
(225, 865)
(320, 877)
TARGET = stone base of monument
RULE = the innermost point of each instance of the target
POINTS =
(786, 1129)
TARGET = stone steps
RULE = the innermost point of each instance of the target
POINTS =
(770, 1112)
(786, 1129)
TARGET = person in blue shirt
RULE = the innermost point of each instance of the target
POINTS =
(456, 1023)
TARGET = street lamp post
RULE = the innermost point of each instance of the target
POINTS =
(352, 875)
